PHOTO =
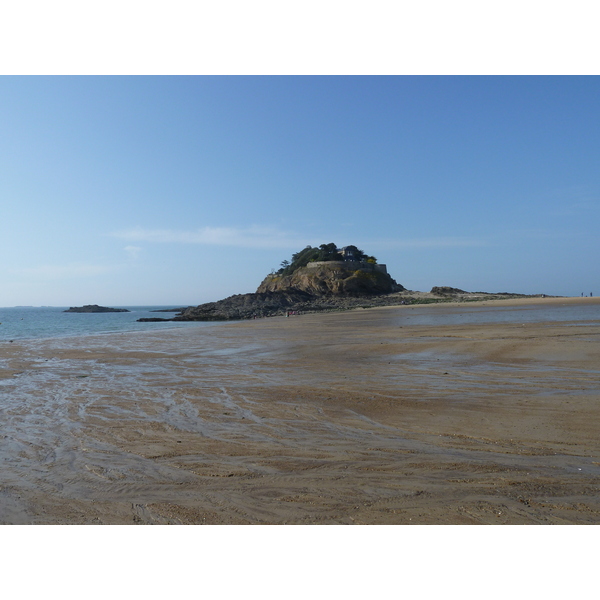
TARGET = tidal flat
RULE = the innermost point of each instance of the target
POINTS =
(394, 415)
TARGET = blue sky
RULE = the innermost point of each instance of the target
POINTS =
(183, 190)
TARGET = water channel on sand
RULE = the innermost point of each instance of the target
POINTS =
(388, 415)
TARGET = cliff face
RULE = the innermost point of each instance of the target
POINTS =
(337, 280)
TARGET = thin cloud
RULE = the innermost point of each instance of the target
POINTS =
(265, 237)
(439, 242)
(515, 236)
(69, 271)
(132, 251)
(251, 237)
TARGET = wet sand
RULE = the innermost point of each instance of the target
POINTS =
(342, 418)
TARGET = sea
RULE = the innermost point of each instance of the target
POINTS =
(29, 322)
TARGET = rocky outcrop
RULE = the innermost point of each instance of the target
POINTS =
(326, 285)
(334, 280)
(445, 290)
(321, 287)
(94, 308)
(245, 306)
(270, 304)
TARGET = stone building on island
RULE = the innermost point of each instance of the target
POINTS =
(348, 260)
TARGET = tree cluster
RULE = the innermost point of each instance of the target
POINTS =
(325, 252)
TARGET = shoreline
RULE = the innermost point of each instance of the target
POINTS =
(341, 418)
(274, 303)
(525, 302)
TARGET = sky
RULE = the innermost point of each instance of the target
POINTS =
(179, 190)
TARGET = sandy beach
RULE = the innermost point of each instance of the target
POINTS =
(357, 417)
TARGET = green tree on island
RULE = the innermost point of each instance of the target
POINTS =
(324, 253)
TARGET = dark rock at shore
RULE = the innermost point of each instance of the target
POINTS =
(94, 308)
(445, 290)
(270, 304)
(245, 306)
(152, 320)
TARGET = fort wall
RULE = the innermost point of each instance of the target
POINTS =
(349, 264)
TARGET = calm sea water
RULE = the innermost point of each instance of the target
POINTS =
(48, 322)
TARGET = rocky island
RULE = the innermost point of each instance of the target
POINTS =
(94, 308)
(324, 279)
